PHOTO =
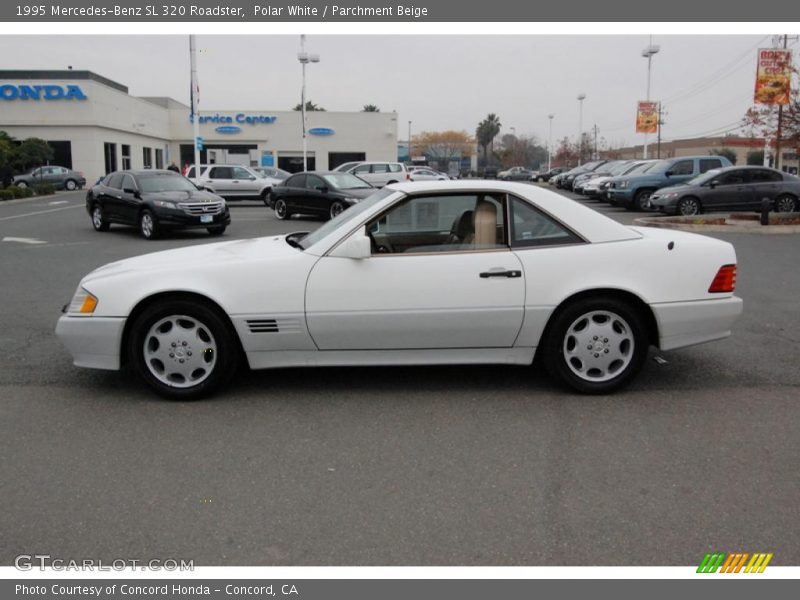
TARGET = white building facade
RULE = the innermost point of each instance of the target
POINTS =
(96, 126)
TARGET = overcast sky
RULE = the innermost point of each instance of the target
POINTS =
(437, 82)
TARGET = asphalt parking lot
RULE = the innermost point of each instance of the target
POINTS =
(392, 466)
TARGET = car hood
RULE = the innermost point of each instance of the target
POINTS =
(358, 192)
(181, 259)
(671, 189)
(187, 196)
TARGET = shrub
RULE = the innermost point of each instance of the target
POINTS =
(7, 194)
(44, 189)
(21, 192)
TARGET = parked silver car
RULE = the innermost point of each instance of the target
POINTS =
(60, 177)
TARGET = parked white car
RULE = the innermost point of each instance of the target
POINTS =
(422, 174)
(379, 174)
(489, 272)
(235, 182)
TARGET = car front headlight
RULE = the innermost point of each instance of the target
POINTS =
(668, 196)
(353, 200)
(83, 303)
(165, 204)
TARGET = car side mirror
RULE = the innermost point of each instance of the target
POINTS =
(131, 191)
(357, 246)
(712, 184)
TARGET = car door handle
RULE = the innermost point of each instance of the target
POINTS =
(510, 274)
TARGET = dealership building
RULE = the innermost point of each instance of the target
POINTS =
(96, 126)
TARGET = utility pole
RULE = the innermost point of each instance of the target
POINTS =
(410, 160)
(594, 156)
(660, 123)
(550, 143)
(195, 98)
(780, 122)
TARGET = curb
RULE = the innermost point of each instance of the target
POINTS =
(31, 199)
(755, 228)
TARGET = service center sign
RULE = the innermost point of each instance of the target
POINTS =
(773, 76)
(647, 117)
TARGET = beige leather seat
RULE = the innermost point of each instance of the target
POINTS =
(485, 224)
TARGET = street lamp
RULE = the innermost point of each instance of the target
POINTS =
(648, 53)
(550, 144)
(581, 98)
(410, 161)
(304, 58)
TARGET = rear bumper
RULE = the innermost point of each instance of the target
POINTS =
(93, 342)
(683, 324)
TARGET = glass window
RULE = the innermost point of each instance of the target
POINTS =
(345, 181)
(395, 168)
(313, 182)
(297, 181)
(115, 181)
(163, 182)
(147, 158)
(531, 227)
(240, 173)
(159, 158)
(380, 168)
(706, 164)
(128, 183)
(221, 173)
(126, 156)
(452, 223)
(732, 178)
(362, 170)
(764, 176)
(683, 167)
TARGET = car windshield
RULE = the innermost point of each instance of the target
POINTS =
(637, 168)
(345, 181)
(150, 184)
(703, 177)
(346, 166)
(661, 166)
(351, 213)
(618, 168)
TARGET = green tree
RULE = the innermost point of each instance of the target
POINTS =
(310, 107)
(485, 133)
(370, 108)
(7, 152)
(33, 152)
(755, 157)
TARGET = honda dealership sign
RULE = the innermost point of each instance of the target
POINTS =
(41, 92)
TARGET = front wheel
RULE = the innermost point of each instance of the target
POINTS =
(265, 197)
(337, 208)
(642, 199)
(147, 225)
(785, 203)
(596, 346)
(99, 221)
(71, 185)
(688, 207)
(183, 349)
(281, 211)
(218, 230)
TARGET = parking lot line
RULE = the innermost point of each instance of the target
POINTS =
(40, 212)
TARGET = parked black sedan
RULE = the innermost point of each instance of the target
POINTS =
(730, 188)
(155, 200)
(320, 193)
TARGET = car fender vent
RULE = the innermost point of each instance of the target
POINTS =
(263, 325)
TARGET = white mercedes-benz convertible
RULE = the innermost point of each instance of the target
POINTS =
(427, 273)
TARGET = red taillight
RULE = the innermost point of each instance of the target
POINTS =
(724, 281)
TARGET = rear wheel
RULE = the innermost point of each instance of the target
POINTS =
(281, 211)
(337, 208)
(688, 207)
(785, 203)
(147, 225)
(99, 219)
(183, 349)
(596, 345)
(642, 200)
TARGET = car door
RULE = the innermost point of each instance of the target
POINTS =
(292, 192)
(681, 170)
(220, 179)
(246, 182)
(726, 190)
(129, 202)
(111, 197)
(313, 199)
(764, 183)
(459, 287)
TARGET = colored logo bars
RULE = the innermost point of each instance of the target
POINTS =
(735, 562)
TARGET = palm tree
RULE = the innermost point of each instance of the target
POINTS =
(494, 125)
(310, 106)
(370, 108)
(486, 132)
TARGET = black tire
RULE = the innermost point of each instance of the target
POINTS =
(281, 210)
(211, 342)
(785, 203)
(265, 196)
(216, 231)
(688, 207)
(562, 337)
(70, 185)
(641, 201)
(98, 217)
(337, 208)
(148, 226)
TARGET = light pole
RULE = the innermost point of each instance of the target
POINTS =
(194, 90)
(550, 144)
(648, 54)
(304, 58)
(410, 160)
(581, 98)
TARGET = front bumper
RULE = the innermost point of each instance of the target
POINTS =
(620, 196)
(93, 342)
(665, 205)
(179, 218)
(688, 323)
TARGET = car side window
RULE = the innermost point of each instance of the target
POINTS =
(395, 168)
(297, 181)
(362, 170)
(683, 167)
(221, 173)
(732, 178)
(531, 227)
(240, 173)
(706, 164)
(441, 223)
(764, 176)
(128, 183)
(115, 181)
(380, 168)
(313, 182)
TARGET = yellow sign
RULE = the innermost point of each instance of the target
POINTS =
(773, 76)
(647, 117)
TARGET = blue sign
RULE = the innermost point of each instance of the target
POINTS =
(199, 142)
(228, 129)
(241, 118)
(321, 131)
(267, 159)
(41, 92)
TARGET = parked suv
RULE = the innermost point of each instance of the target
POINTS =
(60, 177)
(379, 174)
(234, 182)
(634, 192)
